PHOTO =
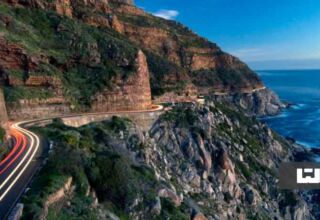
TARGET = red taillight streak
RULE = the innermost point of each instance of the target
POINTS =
(24, 141)
(17, 136)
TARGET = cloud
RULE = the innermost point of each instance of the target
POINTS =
(166, 14)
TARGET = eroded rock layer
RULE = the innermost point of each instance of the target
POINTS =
(66, 56)
(132, 93)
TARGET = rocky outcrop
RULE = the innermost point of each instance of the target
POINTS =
(196, 162)
(34, 80)
(132, 93)
(63, 7)
(13, 57)
(187, 95)
(235, 179)
(58, 196)
(198, 216)
(260, 102)
(167, 193)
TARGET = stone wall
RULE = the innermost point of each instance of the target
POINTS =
(29, 111)
(144, 120)
(55, 197)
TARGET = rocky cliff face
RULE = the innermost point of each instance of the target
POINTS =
(181, 47)
(181, 63)
(13, 56)
(56, 197)
(132, 93)
(89, 61)
(206, 162)
(83, 70)
(261, 102)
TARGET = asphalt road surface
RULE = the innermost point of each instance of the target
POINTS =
(25, 158)
(18, 168)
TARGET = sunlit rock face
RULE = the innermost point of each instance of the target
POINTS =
(132, 93)
(180, 65)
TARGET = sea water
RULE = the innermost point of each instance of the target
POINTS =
(302, 88)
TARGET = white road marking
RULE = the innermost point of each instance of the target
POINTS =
(31, 136)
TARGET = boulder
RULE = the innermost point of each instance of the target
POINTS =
(196, 215)
(169, 194)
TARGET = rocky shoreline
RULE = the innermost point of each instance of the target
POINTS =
(257, 103)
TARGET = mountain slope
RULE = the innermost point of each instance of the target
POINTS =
(204, 63)
(194, 162)
(61, 56)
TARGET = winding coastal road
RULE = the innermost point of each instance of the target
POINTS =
(18, 167)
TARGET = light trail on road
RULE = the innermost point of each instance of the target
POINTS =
(16, 136)
(34, 145)
(22, 139)
(20, 165)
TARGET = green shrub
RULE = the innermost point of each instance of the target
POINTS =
(13, 94)
(88, 156)
(113, 179)
(159, 67)
(169, 211)
(182, 117)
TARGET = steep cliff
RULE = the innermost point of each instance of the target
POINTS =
(260, 102)
(67, 55)
(193, 58)
(60, 65)
(194, 163)
(132, 93)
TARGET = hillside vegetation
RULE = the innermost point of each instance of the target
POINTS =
(195, 161)
(87, 45)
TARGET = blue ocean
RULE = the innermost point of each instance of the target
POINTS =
(302, 88)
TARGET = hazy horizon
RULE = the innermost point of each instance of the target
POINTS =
(256, 70)
(285, 65)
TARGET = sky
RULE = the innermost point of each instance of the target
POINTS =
(266, 34)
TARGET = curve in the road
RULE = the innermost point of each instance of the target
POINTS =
(17, 137)
(28, 157)
(22, 163)
(22, 140)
